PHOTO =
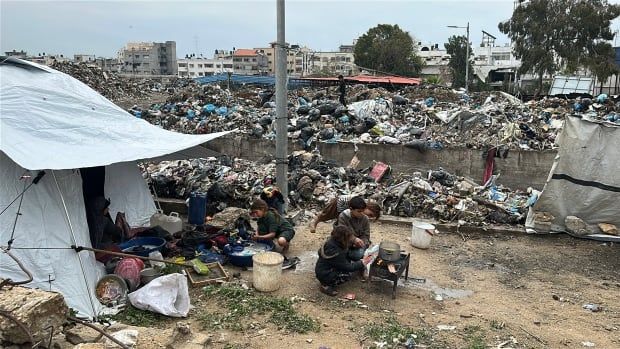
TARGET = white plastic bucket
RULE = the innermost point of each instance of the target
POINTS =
(422, 234)
(267, 271)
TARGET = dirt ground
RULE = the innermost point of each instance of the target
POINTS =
(499, 291)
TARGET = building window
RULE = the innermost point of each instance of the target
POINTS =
(209, 65)
(199, 65)
(268, 53)
(200, 74)
(191, 65)
(182, 65)
(246, 59)
(192, 74)
(228, 65)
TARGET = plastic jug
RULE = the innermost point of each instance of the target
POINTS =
(197, 208)
(172, 223)
(157, 218)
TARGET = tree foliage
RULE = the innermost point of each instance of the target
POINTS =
(387, 48)
(549, 35)
(457, 49)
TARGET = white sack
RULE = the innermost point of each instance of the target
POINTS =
(167, 295)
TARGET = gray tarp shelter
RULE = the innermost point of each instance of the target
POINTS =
(50, 121)
(584, 180)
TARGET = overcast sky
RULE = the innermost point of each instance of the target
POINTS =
(103, 27)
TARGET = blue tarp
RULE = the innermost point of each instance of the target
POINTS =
(247, 79)
(617, 55)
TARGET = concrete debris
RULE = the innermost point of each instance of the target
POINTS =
(608, 229)
(576, 226)
(314, 181)
(40, 311)
(127, 337)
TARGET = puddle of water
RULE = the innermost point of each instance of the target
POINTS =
(307, 261)
(431, 286)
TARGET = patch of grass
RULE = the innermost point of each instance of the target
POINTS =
(475, 337)
(497, 325)
(136, 317)
(239, 306)
(233, 346)
(391, 334)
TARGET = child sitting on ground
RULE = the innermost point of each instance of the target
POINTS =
(271, 226)
(333, 266)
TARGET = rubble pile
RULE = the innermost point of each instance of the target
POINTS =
(421, 117)
(117, 88)
(418, 117)
(313, 181)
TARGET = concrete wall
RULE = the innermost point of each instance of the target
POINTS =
(521, 169)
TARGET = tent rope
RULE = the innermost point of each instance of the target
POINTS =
(62, 198)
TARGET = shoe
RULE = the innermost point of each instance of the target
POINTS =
(290, 262)
(328, 290)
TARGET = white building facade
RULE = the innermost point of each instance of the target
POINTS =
(197, 67)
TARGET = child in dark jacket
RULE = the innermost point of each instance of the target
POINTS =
(333, 267)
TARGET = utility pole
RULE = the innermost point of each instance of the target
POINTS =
(467, 62)
(281, 107)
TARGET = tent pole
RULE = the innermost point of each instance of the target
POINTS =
(62, 199)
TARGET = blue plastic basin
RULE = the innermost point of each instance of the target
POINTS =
(142, 246)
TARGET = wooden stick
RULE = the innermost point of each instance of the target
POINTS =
(79, 248)
(535, 337)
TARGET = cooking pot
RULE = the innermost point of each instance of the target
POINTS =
(389, 251)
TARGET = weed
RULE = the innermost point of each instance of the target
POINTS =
(475, 337)
(136, 317)
(391, 334)
(497, 325)
(233, 346)
(241, 305)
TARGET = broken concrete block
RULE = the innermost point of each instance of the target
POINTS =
(576, 226)
(609, 229)
(127, 337)
(38, 310)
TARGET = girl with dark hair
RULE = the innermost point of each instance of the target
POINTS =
(271, 225)
(333, 266)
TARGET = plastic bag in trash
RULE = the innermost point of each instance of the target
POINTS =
(167, 295)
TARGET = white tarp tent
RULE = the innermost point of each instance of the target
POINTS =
(53, 122)
(584, 180)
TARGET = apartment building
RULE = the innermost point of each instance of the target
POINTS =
(197, 66)
(83, 58)
(492, 64)
(250, 62)
(149, 58)
(341, 62)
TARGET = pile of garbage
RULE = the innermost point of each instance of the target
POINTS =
(424, 118)
(116, 88)
(313, 181)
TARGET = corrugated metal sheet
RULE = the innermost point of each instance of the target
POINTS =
(563, 85)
